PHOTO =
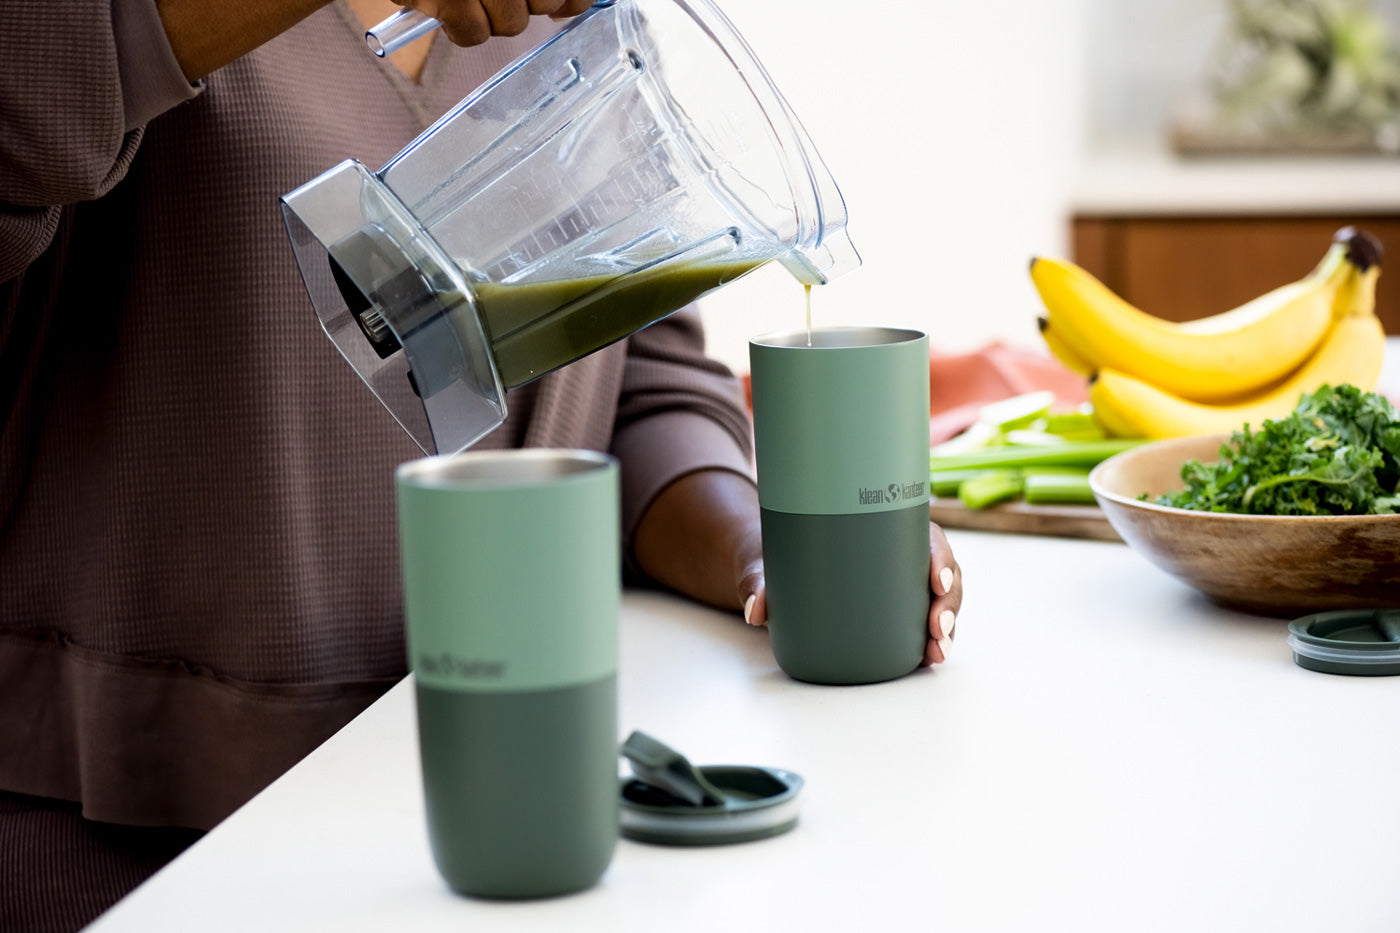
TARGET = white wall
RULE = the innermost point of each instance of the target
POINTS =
(951, 128)
(1145, 57)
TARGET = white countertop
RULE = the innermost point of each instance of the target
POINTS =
(1104, 751)
(1146, 178)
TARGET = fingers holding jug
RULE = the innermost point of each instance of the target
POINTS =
(472, 22)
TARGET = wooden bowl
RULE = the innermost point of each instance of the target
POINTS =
(1271, 564)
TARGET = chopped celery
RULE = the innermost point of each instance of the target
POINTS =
(1018, 448)
(1027, 437)
(1018, 411)
(1022, 419)
(976, 437)
(1076, 426)
(989, 488)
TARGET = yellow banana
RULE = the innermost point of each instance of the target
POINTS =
(1351, 353)
(1209, 360)
(1063, 351)
(1358, 293)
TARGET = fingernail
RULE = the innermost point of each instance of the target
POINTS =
(748, 608)
(946, 621)
(945, 576)
(945, 644)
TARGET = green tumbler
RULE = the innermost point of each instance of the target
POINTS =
(841, 422)
(512, 585)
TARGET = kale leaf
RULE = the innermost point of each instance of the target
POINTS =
(1337, 453)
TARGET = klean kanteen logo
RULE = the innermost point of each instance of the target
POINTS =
(894, 492)
(447, 664)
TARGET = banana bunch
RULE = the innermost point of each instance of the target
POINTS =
(1155, 378)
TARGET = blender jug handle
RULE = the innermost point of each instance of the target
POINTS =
(405, 26)
(416, 326)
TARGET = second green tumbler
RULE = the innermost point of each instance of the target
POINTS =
(511, 591)
(841, 422)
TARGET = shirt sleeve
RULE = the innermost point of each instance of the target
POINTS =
(79, 81)
(679, 412)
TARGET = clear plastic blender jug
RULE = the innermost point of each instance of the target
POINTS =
(636, 160)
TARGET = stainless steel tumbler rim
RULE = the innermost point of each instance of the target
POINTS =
(503, 468)
(837, 338)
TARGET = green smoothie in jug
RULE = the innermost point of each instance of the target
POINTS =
(535, 327)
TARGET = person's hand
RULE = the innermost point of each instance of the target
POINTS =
(472, 22)
(945, 580)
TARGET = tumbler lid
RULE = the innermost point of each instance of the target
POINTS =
(669, 801)
(1350, 641)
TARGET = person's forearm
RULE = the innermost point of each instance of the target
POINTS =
(701, 537)
(208, 34)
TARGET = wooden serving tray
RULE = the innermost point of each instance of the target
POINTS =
(1065, 521)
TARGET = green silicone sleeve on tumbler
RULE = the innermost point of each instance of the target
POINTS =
(848, 595)
(520, 787)
(512, 594)
(842, 453)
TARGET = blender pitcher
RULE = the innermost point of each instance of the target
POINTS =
(638, 159)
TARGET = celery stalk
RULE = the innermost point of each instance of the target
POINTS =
(1046, 486)
(946, 482)
(1073, 453)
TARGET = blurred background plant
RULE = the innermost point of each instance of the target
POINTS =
(1302, 69)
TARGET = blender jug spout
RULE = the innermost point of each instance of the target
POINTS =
(832, 257)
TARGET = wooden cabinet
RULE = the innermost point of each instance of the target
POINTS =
(1182, 268)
